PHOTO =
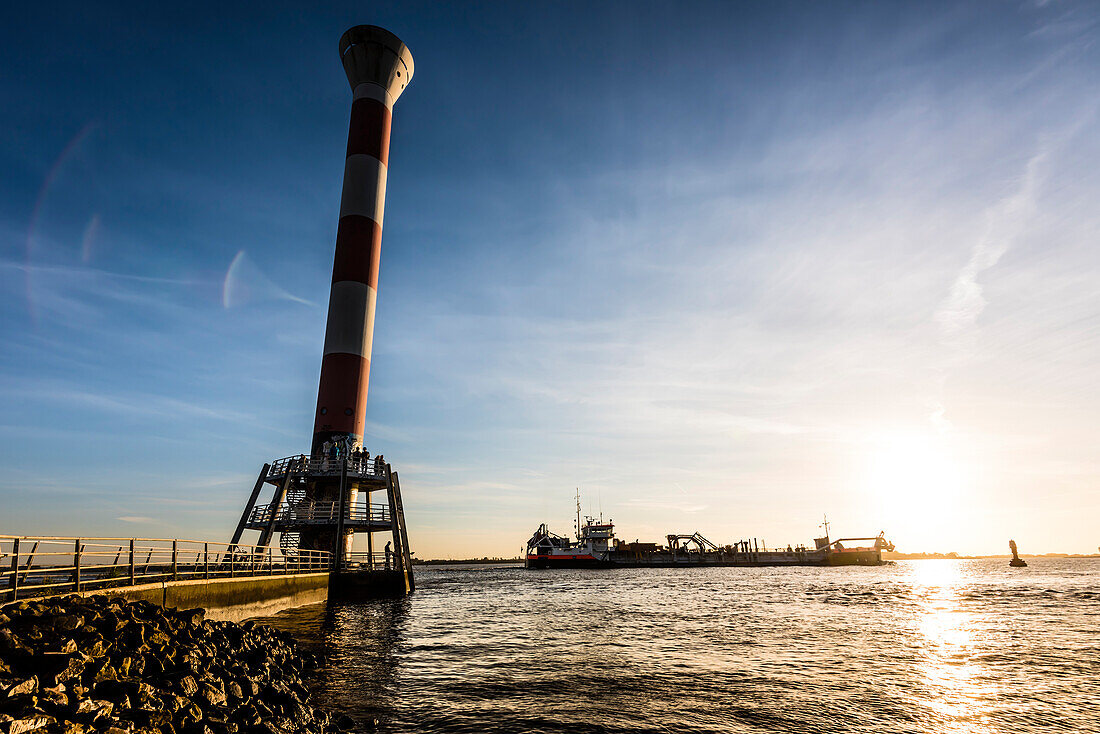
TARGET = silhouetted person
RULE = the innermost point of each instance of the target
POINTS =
(389, 554)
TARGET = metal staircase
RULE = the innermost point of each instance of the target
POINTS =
(295, 494)
(288, 539)
(288, 544)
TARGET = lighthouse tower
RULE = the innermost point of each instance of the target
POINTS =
(322, 499)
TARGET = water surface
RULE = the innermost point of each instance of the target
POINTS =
(920, 646)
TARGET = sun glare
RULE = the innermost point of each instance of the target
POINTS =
(917, 483)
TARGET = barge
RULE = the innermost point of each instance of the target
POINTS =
(597, 547)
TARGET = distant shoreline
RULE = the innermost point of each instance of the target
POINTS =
(463, 561)
(895, 556)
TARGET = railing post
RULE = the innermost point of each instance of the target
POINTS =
(206, 559)
(246, 515)
(14, 569)
(30, 562)
(252, 567)
(133, 568)
(175, 558)
(341, 509)
(76, 565)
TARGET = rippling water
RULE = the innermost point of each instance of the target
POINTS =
(921, 646)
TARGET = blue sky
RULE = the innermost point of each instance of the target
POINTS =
(724, 266)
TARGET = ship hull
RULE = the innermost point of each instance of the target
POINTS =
(856, 558)
(566, 561)
(690, 560)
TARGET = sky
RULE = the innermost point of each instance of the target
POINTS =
(724, 267)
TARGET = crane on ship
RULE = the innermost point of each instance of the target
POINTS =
(702, 545)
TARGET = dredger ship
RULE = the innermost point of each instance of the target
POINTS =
(597, 547)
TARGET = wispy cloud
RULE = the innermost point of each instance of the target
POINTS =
(96, 273)
(1005, 221)
(130, 404)
(245, 283)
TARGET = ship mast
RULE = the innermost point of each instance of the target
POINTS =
(578, 513)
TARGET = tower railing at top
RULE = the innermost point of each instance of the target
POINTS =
(361, 467)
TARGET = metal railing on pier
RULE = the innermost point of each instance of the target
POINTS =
(36, 566)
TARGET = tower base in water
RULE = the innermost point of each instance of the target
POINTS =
(319, 503)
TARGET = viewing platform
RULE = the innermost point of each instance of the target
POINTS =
(290, 516)
(316, 467)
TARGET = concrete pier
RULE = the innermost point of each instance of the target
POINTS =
(230, 599)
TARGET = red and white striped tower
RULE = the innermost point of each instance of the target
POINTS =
(379, 67)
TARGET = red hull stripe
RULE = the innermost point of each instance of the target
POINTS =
(344, 382)
(369, 132)
(358, 250)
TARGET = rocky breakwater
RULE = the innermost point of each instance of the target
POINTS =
(102, 664)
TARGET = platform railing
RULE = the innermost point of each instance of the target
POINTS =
(320, 513)
(376, 561)
(317, 465)
(38, 565)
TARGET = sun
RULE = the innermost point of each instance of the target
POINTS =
(916, 481)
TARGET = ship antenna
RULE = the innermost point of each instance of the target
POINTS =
(826, 525)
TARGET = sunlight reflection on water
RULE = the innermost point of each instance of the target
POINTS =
(958, 699)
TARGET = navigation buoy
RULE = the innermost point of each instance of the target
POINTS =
(1016, 561)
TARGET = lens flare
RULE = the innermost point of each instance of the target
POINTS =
(36, 213)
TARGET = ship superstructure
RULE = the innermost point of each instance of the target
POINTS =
(592, 548)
